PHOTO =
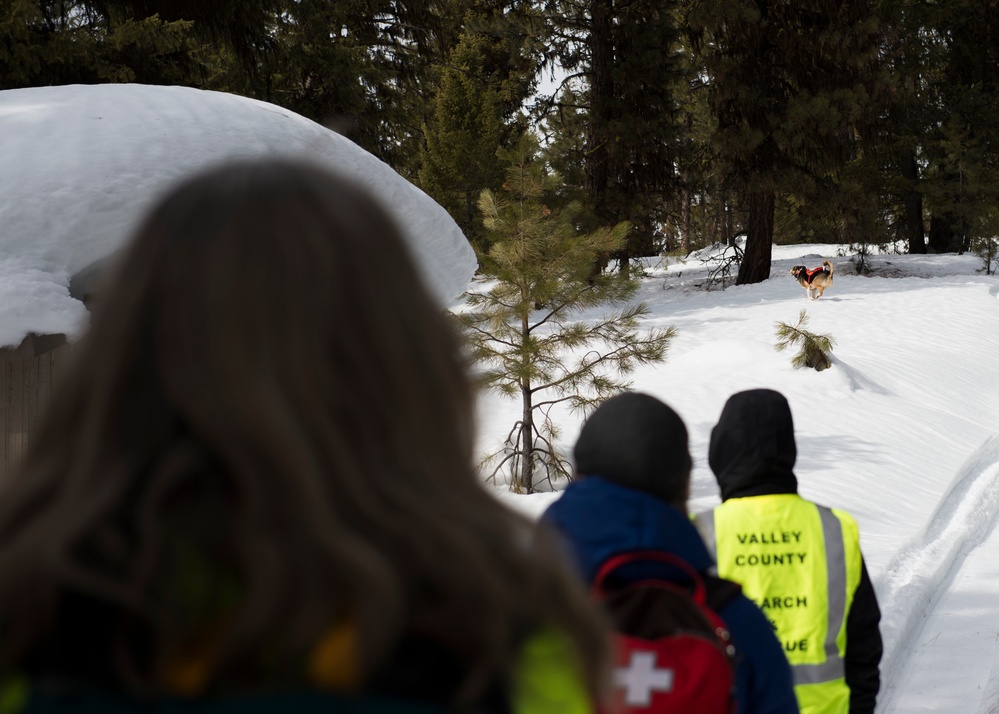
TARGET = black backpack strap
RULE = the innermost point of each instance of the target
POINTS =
(720, 592)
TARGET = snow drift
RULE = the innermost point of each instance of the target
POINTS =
(80, 166)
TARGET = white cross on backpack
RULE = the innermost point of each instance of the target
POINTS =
(641, 678)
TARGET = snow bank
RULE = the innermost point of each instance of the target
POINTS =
(80, 165)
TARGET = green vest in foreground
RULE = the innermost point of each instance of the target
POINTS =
(801, 564)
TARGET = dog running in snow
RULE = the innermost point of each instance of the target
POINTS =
(814, 281)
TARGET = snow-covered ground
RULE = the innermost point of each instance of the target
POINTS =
(902, 431)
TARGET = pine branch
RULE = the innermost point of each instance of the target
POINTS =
(813, 349)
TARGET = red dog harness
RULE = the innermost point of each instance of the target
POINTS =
(810, 274)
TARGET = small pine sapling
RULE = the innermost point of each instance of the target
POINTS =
(813, 349)
(860, 256)
(532, 329)
(987, 248)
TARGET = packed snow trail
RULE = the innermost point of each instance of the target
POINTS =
(923, 571)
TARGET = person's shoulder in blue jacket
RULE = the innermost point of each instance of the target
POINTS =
(633, 478)
(765, 681)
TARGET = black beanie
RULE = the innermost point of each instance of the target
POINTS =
(636, 441)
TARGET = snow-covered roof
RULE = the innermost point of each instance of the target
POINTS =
(80, 165)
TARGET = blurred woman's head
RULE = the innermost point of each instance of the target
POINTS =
(265, 436)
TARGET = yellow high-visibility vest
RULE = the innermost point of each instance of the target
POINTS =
(801, 564)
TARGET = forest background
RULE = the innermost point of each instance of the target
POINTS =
(858, 122)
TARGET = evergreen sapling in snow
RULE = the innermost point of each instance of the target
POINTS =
(814, 349)
(987, 248)
(524, 324)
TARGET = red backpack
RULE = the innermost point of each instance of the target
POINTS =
(674, 653)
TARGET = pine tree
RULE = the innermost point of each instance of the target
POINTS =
(524, 328)
(910, 59)
(962, 180)
(53, 43)
(626, 56)
(787, 86)
(362, 68)
(476, 108)
(987, 248)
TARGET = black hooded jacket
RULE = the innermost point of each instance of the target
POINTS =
(752, 453)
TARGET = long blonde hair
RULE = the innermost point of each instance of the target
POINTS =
(269, 405)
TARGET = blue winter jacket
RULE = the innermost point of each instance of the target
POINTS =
(600, 519)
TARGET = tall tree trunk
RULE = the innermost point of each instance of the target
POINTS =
(526, 478)
(597, 159)
(469, 212)
(725, 207)
(755, 266)
(624, 261)
(601, 100)
(913, 230)
(685, 220)
(943, 232)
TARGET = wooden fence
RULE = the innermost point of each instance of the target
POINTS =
(28, 372)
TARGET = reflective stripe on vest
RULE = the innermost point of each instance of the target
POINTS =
(837, 582)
